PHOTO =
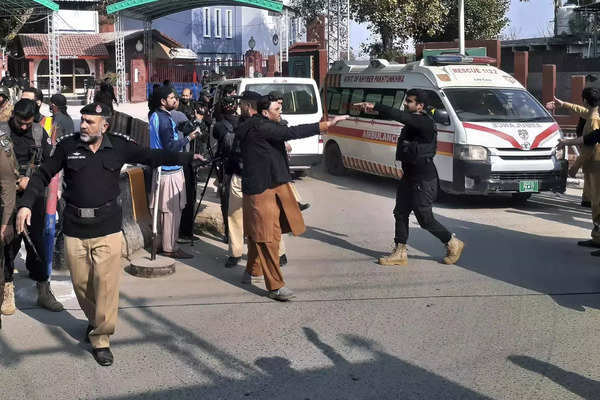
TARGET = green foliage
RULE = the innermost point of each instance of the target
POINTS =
(484, 19)
(395, 21)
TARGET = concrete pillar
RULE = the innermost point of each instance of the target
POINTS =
(548, 83)
(577, 86)
(522, 67)
(138, 79)
(32, 74)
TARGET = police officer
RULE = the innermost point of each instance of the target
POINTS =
(417, 190)
(31, 146)
(92, 162)
(8, 178)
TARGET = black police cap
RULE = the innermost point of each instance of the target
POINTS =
(97, 109)
(250, 96)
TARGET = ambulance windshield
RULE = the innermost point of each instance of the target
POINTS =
(481, 105)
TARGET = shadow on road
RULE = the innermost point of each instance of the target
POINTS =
(580, 385)
(383, 376)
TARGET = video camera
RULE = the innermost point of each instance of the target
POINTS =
(187, 127)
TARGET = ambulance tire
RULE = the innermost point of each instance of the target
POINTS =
(333, 159)
(521, 197)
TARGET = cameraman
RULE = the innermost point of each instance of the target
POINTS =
(196, 146)
(417, 145)
(223, 132)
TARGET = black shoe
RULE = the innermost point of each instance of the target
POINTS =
(589, 243)
(282, 260)
(103, 356)
(595, 253)
(87, 333)
(587, 204)
(232, 262)
(303, 206)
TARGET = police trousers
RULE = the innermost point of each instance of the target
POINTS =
(95, 266)
(36, 267)
(417, 196)
(1, 282)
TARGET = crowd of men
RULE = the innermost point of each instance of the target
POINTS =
(249, 149)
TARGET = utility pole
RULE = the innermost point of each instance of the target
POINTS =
(461, 27)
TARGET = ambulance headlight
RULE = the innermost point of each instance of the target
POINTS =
(471, 153)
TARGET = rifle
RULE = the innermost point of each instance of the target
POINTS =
(32, 164)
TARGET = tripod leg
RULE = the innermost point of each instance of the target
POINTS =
(212, 168)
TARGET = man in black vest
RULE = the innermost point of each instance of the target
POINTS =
(417, 145)
(31, 147)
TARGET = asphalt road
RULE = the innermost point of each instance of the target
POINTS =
(517, 318)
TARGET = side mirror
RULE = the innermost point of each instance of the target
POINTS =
(441, 117)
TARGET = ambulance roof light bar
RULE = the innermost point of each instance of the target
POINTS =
(448, 59)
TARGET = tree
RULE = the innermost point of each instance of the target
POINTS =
(11, 26)
(484, 19)
(396, 21)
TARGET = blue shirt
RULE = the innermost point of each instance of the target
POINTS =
(164, 134)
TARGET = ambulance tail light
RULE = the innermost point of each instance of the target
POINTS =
(453, 59)
(320, 139)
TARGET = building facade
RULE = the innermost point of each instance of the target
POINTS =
(221, 35)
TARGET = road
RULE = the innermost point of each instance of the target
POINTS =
(517, 318)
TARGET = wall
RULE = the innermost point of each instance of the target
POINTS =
(212, 47)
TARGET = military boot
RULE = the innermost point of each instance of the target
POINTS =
(46, 298)
(454, 250)
(398, 257)
(8, 305)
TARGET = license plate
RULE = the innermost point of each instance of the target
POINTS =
(529, 186)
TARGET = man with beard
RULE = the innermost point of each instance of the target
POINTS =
(186, 105)
(172, 200)
(269, 206)
(62, 119)
(92, 162)
(31, 147)
(6, 106)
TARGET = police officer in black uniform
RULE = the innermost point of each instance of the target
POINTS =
(92, 162)
(31, 146)
(417, 145)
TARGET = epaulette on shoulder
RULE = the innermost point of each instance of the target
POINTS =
(60, 139)
(126, 137)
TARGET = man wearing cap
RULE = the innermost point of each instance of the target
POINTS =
(6, 106)
(92, 161)
(172, 200)
(31, 146)
(64, 123)
(270, 208)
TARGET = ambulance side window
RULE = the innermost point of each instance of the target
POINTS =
(399, 99)
(344, 102)
(358, 96)
(434, 100)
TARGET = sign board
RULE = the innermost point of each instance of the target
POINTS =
(471, 51)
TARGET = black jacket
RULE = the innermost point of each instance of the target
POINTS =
(92, 179)
(263, 152)
(223, 132)
(417, 142)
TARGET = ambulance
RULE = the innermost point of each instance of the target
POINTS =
(493, 135)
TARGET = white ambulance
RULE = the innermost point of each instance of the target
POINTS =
(493, 135)
(301, 105)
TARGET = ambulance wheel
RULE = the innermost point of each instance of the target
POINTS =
(333, 159)
(521, 197)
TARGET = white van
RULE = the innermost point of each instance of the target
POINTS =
(496, 137)
(301, 105)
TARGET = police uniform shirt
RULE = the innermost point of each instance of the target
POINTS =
(92, 179)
